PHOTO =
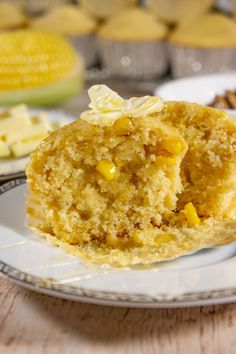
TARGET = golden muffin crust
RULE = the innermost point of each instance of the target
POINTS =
(210, 30)
(11, 16)
(66, 20)
(106, 8)
(177, 11)
(134, 24)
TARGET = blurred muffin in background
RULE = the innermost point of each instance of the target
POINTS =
(175, 11)
(72, 22)
(131, 45)
(34, 7)
(106, 8)
(204, 44)
(12, 16)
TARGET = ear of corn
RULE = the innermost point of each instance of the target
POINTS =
(32, 59)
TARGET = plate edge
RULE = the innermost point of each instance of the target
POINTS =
(49, 284)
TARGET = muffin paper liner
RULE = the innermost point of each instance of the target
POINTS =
(86, 46)
(136, 60)
(187, 61)
(213, 233)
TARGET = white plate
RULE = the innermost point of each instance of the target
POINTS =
(197, 89)
(13, 168)
(208, 277)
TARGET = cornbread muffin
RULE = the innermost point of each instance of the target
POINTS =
(129, 182)
(65, 19)
(212, 30)
(74, 23)
(11, 16)
(209, 166)
(123, 40)
(106, 8)
(126, 27)
(33, 7)
(101, 183)
(176, 11)
(204, 44)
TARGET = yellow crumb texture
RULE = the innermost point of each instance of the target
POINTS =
(93, 184)
(140, 190)
(209, 167)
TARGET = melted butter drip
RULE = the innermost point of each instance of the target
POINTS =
(70, 277)
(14, 244)
(152, 266)
(53, 265)
(59, 258)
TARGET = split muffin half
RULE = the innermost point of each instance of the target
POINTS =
(95, 182)
(209, 167)
(128, 182)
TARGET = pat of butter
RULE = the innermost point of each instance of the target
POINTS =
(4, 149)
(107, 106)
(34, 129)
(17, 110)
(43, 119)
(21, 132)
(7, 125)
(26, 146)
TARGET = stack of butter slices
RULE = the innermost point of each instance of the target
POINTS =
(21, 131)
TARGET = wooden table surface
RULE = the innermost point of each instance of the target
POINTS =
(31, 323)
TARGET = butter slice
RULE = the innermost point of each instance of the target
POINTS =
(21, 133)
(17, 110)
(26, 146)
(107, 106)
(41, 127)
(7, 125)
(4, 149)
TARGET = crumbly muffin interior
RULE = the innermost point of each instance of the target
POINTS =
(136, 181)
(208, 169)
(100, 184)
